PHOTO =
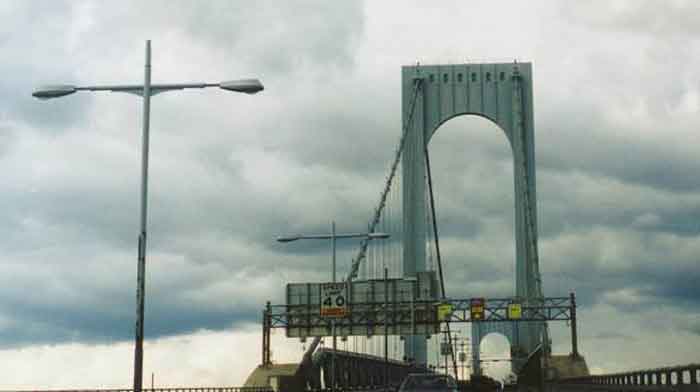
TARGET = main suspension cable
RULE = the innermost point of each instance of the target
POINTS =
(417, 82)
(387, 186)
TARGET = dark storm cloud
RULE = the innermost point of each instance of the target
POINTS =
(601, 201)
(692, 327)
(598, 150)
(346, 139)
(18, 104)
(106, 320)
(95, 202)
(32, 57)
(229, 173)
(649, 287)
(278, 40)
(637, 192)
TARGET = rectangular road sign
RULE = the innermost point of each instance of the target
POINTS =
(334, 300)
(515, 311)
(476, 309)
(363, 307)
(445, 348)
(444, 312)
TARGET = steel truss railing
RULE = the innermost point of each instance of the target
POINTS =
(676, 378)
(547, 309)
(173, 389)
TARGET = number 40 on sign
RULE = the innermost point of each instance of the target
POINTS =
(334, 300)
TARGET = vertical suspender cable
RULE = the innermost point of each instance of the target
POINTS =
(417, 82)
(392, 172)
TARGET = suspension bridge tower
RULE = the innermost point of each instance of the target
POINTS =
(502, 93)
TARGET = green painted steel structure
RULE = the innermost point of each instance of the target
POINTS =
(502, 93)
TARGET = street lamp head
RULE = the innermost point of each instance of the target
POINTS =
(48, 92)
(288, 239)
(248, 86)
(378, 235)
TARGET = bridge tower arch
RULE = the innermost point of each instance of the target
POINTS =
(502, 93)
(479, 333)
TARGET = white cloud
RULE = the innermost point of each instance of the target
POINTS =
(616, 116)
(203, 358)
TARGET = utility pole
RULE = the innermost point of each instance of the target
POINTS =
(333, 236)
(449, 339)
(574, 332)
(146, 90)
(463, 342)
(386, 328)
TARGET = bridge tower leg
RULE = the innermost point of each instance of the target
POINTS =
(414, 232)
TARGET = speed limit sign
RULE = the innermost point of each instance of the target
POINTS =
(334, 301)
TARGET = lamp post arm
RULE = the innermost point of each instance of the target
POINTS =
(138, 88)
(331, 236)
(306, 359)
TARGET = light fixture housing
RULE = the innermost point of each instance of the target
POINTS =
(55, 91)
(248, 86)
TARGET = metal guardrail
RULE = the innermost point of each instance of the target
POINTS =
(173, 389)
(211, 389)
(354, 389)
(684, 378)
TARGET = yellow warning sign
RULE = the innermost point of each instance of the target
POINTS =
(444, 311)
(515, 311)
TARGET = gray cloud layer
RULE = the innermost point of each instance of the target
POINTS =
(616, 114)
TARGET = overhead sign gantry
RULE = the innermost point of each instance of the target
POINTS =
(400, 307)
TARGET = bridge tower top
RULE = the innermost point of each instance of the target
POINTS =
(484, 89)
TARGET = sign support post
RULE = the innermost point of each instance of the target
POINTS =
(386, 328)
(574, 332)
(333, 320)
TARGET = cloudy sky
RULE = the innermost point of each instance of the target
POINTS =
(617, 104)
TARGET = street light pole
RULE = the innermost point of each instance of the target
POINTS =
(141, 263)
(332, 236)
(146, 90)
(333, 247)
(333, 320)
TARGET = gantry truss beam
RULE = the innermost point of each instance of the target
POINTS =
(412, 317)
(548, 309)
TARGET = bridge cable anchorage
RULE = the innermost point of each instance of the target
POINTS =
(438, 255)
(529, 215)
